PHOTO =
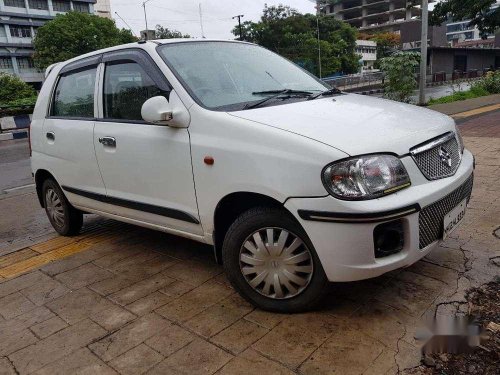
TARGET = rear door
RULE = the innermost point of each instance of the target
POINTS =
(146, 168)
(68, 132)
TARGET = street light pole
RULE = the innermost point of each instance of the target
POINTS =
(423, 52)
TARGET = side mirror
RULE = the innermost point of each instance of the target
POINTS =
(159, 111)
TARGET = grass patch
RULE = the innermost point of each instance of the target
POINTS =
(474, 92)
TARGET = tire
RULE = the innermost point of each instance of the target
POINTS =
(65, 219)
(277, 291)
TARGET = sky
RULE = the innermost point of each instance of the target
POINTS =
(183, 15)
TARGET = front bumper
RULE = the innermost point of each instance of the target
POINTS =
(343, 234)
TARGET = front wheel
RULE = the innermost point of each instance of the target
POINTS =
(270, 261)
(65, 219)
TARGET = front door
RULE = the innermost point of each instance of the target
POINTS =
(146, 168)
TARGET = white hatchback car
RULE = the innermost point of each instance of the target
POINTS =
(294, 183)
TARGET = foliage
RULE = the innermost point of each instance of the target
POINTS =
(73, 34)
(474, 92)
(293, 35)
(478, 11)
(399, 72)
(13, 91)
(165, 33)
(488, 85)
(490, 82)
(387, 43)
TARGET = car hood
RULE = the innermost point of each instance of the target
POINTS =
(355, 124)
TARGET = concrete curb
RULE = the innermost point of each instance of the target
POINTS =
(21, 134)
(466, 105)
(14, 127)
(370, 92)
(15, 122)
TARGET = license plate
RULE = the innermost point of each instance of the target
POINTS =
(454, 218)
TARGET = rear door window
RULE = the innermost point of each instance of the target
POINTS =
(74, 94)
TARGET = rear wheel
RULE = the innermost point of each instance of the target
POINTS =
(65, 219)
(271, 262)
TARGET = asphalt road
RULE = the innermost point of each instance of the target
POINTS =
(15, 170)
(22, 220)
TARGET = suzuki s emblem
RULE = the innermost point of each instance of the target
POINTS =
(445, 157)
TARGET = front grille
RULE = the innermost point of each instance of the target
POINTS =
(438, 158)
(431, 217)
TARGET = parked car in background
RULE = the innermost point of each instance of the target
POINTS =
(294, 183)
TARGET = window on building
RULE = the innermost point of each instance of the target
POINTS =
(20, 31)
(14, 3)
(38, 4)
(81, 7)
(5, 63)
(74, 95)
(126, 87)
(61, 6)
(25, 63)
(469, 35)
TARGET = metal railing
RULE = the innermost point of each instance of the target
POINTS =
(354, 81)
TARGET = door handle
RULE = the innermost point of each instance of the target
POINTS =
(108, 141)
(51, 136)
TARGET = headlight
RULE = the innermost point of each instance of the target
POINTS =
(365, 177)
(460, 139)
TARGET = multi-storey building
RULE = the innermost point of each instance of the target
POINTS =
(462, 33)
(19, 21)
(368, 51)
(371, 15)
(103, 8)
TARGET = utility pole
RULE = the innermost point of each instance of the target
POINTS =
(239, 17)
(125, 22)
(423, 51)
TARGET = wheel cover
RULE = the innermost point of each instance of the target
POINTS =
(54, 207)
(276, 263)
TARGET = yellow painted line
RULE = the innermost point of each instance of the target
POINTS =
(42, 259)
(477, 111)
(52, 244)
(18, 256)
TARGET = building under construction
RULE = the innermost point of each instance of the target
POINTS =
(372, 15)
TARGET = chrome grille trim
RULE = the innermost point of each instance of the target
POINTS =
(439, 157)
(431, 217)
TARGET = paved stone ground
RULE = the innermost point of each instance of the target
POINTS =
(121, 299)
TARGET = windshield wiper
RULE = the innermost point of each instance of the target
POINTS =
(275, 94)
(332, 91)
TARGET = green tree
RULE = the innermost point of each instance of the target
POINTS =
(399, 70)
(479, 12)
(74, 34)
(293, 35)
(13, 89)
(165, 33)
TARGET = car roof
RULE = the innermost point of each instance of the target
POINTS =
(142, 43)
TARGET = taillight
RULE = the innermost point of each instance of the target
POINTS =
(29, 137)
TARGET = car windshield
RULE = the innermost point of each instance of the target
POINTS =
(232, 76)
